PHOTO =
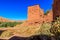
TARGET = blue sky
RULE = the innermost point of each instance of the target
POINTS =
(17, 9)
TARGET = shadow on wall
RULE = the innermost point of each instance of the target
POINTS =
(2, 31)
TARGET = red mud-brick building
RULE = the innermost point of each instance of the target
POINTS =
(36, 15)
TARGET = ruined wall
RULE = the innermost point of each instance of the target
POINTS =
(56, 8)
(49, 16)
(36, 15)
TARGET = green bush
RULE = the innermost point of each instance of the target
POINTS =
(9, 24)
(46, 12)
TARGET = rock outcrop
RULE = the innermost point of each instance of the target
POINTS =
(2, 19)
(56, 8)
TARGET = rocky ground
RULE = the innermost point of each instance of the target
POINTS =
(36, 37)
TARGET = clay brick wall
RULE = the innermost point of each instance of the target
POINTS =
(48, 17)
(36, 15)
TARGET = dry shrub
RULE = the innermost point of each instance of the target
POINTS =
(6, 34)
(45, 29)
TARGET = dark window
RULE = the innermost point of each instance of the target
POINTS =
(43, 21)
(40, 15)
(36, 22)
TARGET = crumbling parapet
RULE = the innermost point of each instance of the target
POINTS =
(36, 15)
